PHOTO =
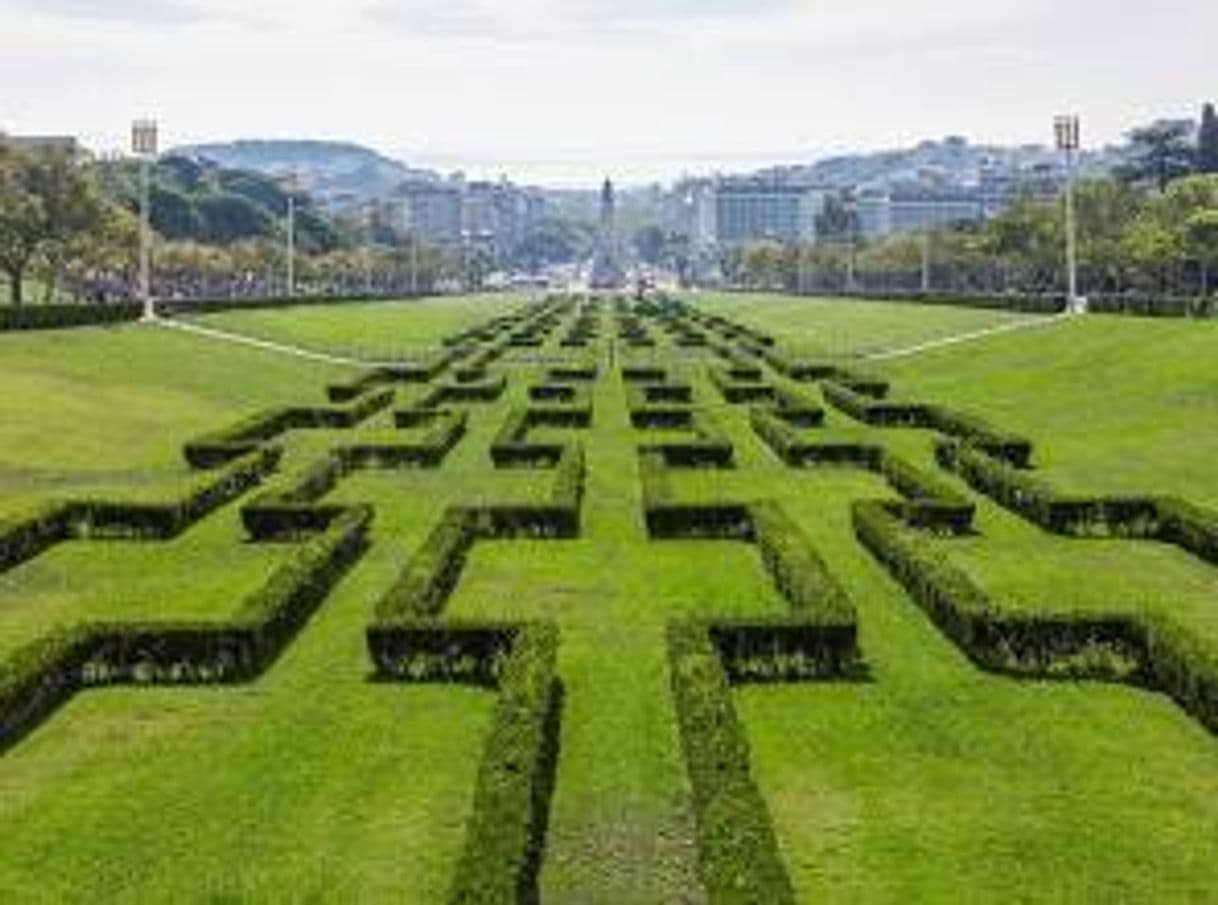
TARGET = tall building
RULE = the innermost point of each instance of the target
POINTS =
(752, 210)
(432, 210)
(607, 271)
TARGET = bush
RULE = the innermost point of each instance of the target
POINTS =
(505, 835)
(798, 571)
(423, 587)
(249, 433)
(100, 519)
(35, 680)
(56, 317)
(24, 536)
(1150, 648)
(1069, 645)
(740, 385)
(786, 649)
(739, 860)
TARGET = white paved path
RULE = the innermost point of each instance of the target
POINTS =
(268, 345)
(972, 336)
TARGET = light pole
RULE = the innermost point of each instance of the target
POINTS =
(369, 238)
(289, 184)
(850, 263)
(1066, 132)
(925, 258)
(144, 146)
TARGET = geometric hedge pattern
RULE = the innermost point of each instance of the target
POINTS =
(681, 373)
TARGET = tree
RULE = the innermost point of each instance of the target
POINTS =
(71, 206)
(22, 219)
(1207, 141)
(1201, 240)
(1152, 247)
(651, 244)
(1159, 153)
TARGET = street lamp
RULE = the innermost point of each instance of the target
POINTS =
(1066, 132)
(851, 207)
(144, 146)
(291, 184)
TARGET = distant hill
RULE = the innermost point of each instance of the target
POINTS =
(336, 174)
(953, 159)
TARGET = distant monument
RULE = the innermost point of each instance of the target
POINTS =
(607, 269)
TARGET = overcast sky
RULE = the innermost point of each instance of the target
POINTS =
(561, 91)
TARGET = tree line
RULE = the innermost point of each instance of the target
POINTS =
(1150, 227)
(69, 228)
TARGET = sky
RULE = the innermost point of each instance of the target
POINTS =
(562, 92)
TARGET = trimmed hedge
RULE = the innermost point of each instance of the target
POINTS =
(505, 835)
(1166, 519)
(41, 676)
(423, 587)
(292, 511)
(58, 317)
(740, 385)
(242, 438)
(796, 407)
(798, 571)
(739, 858)
(929, 502)
(1010, 447)
(25, 536)
(709, 448)
(1068, 645)
(511, 447)
(1151, 649)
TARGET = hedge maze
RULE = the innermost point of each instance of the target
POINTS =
(541, 392)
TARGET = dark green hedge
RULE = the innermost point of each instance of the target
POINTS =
(737, 385)
(1150, 648)
(219, 447)
(739, 860)
(798, 571)
(26, 535)
(511, 447)
(886, 413)
(1166, 519)
(41, 676)
(928, 501)
(786, 649)
(423, 587)
(505, 835)
(56, 317)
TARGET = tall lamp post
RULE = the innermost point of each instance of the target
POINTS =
(144, 146)
(290, 184)
(852, 224)
(1066, 132)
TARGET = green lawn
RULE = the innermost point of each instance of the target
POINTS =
(930, 781)
(831, 327)
(371, 330)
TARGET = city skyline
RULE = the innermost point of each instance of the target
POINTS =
(563, 94)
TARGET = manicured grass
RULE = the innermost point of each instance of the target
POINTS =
(94, 408)
(373, 330)
(1114, 404)
(928, 781)
(831, 327)
(310, 784)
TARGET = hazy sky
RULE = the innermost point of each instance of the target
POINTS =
(561, 91)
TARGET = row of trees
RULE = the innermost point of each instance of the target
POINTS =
(69, 225)
(1129, 240)
(1151, 227)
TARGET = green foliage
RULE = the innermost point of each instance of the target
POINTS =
(739, 859)
(55, 317)
(1160, 152)
(1207, 141)
(505, 836)
(798, 571)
